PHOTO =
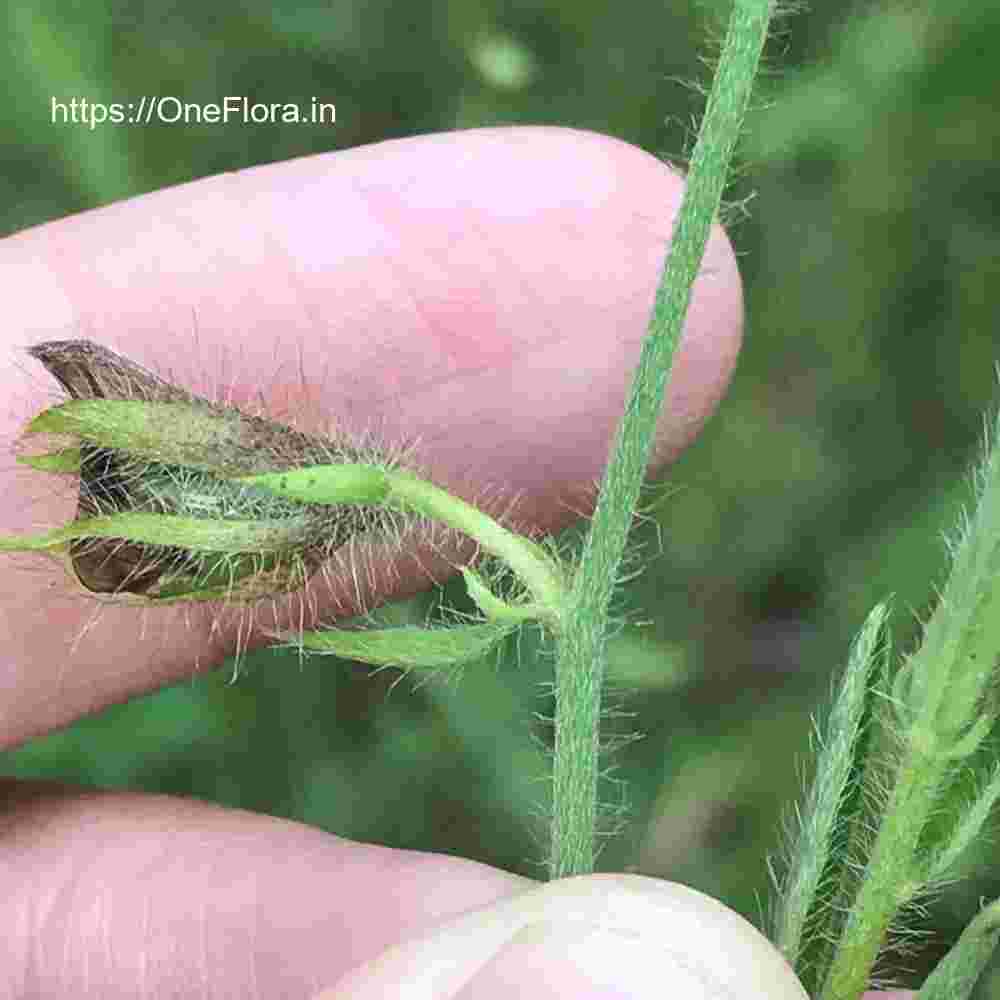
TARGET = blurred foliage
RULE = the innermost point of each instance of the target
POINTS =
(824, 483)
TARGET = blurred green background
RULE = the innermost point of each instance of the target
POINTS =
(824, 483)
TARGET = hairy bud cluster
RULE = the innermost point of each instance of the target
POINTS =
(177, 455)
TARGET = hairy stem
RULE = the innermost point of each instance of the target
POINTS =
(580, 647)
(943, 704)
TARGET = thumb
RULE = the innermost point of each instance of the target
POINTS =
(588, 937)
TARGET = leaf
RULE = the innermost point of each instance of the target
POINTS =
(810, 908)
(495, 608)
(972, 817)
(407, 647)
(955, 976)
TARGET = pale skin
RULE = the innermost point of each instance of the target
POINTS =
(483, 294)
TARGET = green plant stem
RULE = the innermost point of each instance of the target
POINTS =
(892, 877)
(580, 646)
(529, 561)
(394, 488)
(942, 707)
(955, 976)
(808, 917)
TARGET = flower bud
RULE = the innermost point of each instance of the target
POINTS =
(147, 447)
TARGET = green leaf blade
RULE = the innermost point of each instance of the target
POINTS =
(417, 648)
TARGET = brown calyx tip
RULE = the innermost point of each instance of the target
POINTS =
(89, 371)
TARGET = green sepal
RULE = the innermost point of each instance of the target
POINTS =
(180, 433)
(195, 534)
(66, 460)
(234, 578)
(353, 483)
(247, 584)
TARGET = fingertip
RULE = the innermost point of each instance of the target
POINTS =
(483, 294)
(587, 938)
